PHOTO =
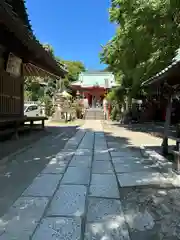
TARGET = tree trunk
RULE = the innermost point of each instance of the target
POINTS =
(166, 126)
(128, 103)
(178, 136)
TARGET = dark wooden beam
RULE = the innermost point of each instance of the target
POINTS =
(40, 57)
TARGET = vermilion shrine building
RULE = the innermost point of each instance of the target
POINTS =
(94, 85)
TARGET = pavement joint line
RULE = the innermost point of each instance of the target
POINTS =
(119, 189)
(84, 217)
(62, 216)
(57, 187)
(74, 184)
(34, 196)
(113, 167)
(98, 197)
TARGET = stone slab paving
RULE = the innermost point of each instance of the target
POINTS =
(151, 210)
(22, 218)
(133, 167)
(102, 167)
(69, 200)
(122, 153)
(129, 160)
(20, 222)
(76, 175)
(59, 228)
(83, 152)
(96, 188)
(81, 161)
(104, 185)
(54, 167)
(101, 156)
(105, 220)
(143, 178)
(43, 185)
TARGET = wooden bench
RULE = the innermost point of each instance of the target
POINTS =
(35, 119)
(16, 125)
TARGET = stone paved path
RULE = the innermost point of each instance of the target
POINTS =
(96, 189)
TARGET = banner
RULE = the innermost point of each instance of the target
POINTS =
(14, 65)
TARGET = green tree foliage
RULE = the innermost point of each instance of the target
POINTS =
(49, 49)
(33, 89)
(146, 40)
(74, 69)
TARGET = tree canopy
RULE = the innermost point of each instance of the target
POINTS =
(74, 69)
(145, 42)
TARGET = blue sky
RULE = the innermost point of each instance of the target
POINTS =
(75, 29)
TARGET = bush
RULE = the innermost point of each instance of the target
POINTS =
(78, 109)
(49, 109)
(116, 112)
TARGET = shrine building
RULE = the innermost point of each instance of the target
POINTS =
(94, 85)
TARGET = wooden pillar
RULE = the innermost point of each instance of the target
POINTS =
(22, 96)
(166, 126)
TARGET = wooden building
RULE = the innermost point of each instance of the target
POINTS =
(168, 84)
(18, 46)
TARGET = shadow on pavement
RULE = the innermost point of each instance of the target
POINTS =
(145, 211)
(151, 211)
(20, 169)
(11, 145)
(155, 129)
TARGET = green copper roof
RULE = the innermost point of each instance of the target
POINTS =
(100, 79)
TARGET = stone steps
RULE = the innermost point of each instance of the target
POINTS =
(94, 114)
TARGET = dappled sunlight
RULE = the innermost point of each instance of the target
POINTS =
(152, 209)
(101, 151)
(22, 218)
(8, 174)
(4, 223)
(37, 158)
(111, 159)
(53, 161)
(109, 227)
(143, 178)
(140, 221)
(56, 165)
(110, 222)
(64, 139)
(153, 177)
(83, 152)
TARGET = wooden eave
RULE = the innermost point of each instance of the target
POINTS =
(39, 56)
(170, 75)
